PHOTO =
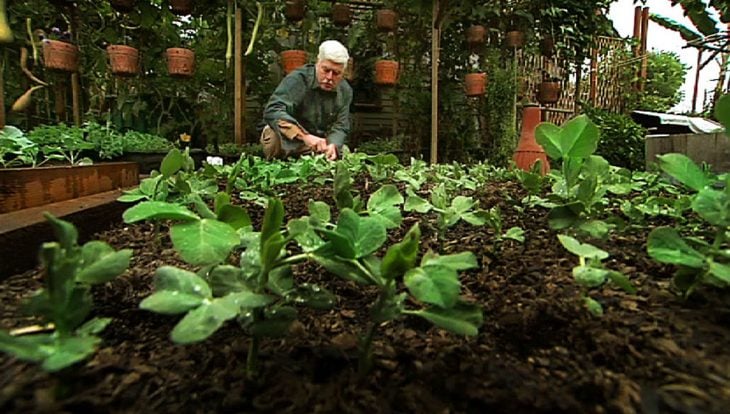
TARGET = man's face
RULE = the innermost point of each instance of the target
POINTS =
(329, 74)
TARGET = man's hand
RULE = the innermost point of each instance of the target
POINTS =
(331, 152)
(314, 142)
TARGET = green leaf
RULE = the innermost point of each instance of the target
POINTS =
(101, 263)
(182, 281)
(595, 228)
(720, 272)
(70, 350)
(366, 234)
(713, 206)
(225, 279)
(477, 218)
(281, 280)
(463, 319)
(437, 285)
(562, 217)
(168, 302)
(312, 296)
(172, 163)
(304, 234)
(722, 111)
(204, 242)
(462, 204)
(386, 196)
(273, 219)
(158, 210)
(594, 307)
(402, 256)
(343, 197)
(579, 137)
(27, 348)
(235, 216)
(93, 326)
(666, 246)
(622, 281)
(548, 136)
(203, 321)
(275, 324)
(586, 250)
(456, 262)
(684, 170)
(65, 232)
(416, 203)
(515, 233)
(344, 269)
(221, 199)
(590, 276)
(320, 211)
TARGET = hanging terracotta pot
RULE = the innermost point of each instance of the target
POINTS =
(123, 6)
(181, 7)
(341, 14)
(123, 60)
(292, 59)
(528, 151)
(547, 46)
(515, 39)
(386, 20)
(58, 55)
(548, 92)
(180, 62)
(386, 72)
(475, 84)
(476, 35)
(294, 10)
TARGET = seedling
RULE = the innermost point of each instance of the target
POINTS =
(260, 293)
(590, 272)
(65, 301)
(348, 248)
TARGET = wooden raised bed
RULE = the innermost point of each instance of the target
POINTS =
(22, 188)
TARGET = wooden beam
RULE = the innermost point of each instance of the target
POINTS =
(75, 77)
(239, 82)
(644, 37)
(2, 89)
(435, 48)
(593, 92)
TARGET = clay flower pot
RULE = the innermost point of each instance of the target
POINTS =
(123, 60)
(547, 46)
(386, 72)
(528, 151)
(123, 6)
(294, 10)
(386, 20)
(341, 14)
(180, 62)
(476, 35)
(292, 59)
(475, 84)
(181, 7)
(515, 39)
(548, 92)
(58, 55)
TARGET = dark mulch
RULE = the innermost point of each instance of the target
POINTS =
(539, 350)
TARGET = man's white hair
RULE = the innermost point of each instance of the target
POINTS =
(334, 51)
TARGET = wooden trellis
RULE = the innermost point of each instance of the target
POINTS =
(602, 85)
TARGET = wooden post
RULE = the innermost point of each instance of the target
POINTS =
(239, 83)
(75, 83)
(696, 88)
(637, 42)
(644, 37)
(435, 48)
(2, 88)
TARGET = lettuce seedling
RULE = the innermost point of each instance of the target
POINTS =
(348, 248)
(260, 292)
(590, 272)
(65, 300)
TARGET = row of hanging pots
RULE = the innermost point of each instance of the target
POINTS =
(386, 71)
(476, 35)
(179, 7)
(123, 60)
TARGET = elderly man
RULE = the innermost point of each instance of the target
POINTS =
(309, 112)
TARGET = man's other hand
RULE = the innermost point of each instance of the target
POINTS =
(316, 143)
(331, 152)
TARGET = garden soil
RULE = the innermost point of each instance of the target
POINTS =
(539, 350)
